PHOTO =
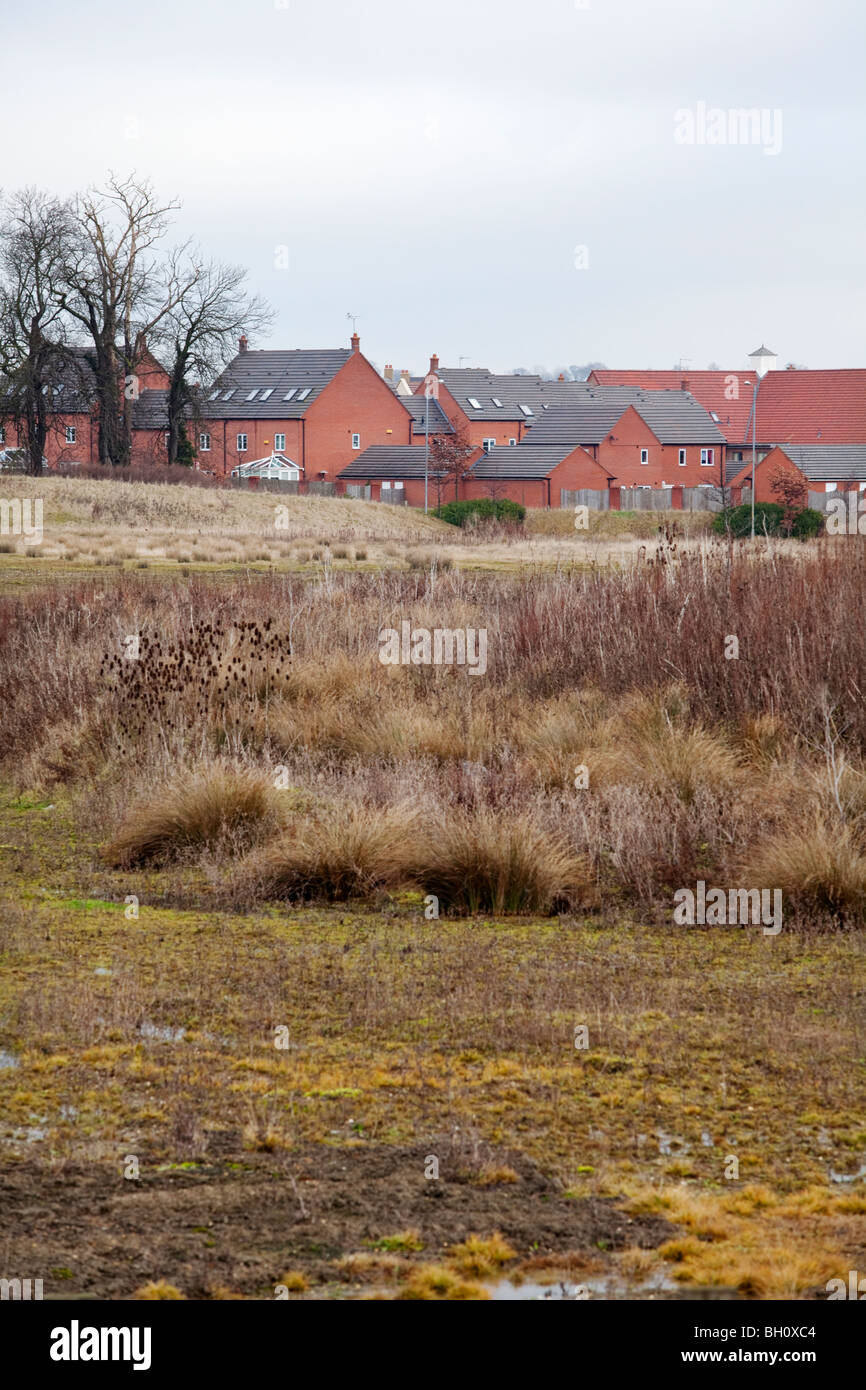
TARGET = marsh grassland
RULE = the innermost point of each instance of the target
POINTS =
(237, 1043)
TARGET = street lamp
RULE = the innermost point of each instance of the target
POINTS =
(762, 359)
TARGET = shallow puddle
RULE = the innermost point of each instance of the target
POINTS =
(579, 1290)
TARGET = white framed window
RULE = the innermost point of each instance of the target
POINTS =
(644, 455)
(476, 404)
(356, 441)
(707, 456)
(279, 443)
(682, 458)
(512, 441)
(830, 487)
(167, 438)
(488, 444)
(70, 434)
(289, 394)
(242, 443)
(204, 443)
(526, 410)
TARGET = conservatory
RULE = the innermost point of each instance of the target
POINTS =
(277, 466)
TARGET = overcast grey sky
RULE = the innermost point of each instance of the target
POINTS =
(433, 168)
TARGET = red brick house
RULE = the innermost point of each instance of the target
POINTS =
(827, 468)
(797, 406)
(395, 473)
(319, 408)
(535, 475)
(640, 438)
(73, 428)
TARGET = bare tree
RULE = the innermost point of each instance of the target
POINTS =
(35, 238)
(449, 459)
(199, 333)
(119, 290)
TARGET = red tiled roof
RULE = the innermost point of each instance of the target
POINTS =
(806, 407)
(794, 407)
(708, 388)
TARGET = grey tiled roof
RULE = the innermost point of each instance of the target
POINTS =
(150, 411)
(477, 383)
(417, 406)
(388, 461)
(834, 463)
(280, 371)
(73, 388)
(583, 414)
(528, 460)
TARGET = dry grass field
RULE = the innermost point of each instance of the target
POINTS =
(89, 524)
(364, 979)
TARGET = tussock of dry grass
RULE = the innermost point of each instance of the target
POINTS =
(159, 1291)
(481, 1256)
(820, 868)
(429, 1282)
(197, 810)
(479, 861)
(352, 851)
(647, 744)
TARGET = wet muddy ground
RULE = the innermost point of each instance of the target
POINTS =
(239, 1222)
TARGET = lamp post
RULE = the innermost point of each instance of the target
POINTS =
(426, 442)
(762, 359)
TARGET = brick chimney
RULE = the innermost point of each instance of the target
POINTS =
(388, 373)
(243, 343)
(356, 343)
(434, 364)
(404, 375)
